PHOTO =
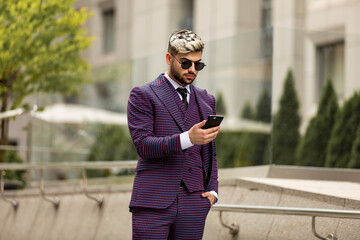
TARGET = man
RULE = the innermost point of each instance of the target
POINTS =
(176, 177)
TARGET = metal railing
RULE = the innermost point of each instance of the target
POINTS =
(312, 212)
(131, 164)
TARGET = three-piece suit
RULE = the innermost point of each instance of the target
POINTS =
(156, 118)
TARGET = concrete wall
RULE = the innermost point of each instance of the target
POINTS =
(76, 218)
(80, 218)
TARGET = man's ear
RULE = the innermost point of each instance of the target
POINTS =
(168, 58)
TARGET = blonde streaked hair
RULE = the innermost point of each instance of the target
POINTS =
(184, 41)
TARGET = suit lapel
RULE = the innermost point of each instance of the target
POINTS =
(163, 91)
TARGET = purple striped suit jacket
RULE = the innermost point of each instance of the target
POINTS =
(155, 123)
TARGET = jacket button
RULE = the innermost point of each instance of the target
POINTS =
(189, 169)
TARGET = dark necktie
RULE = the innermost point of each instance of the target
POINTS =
(183, 93)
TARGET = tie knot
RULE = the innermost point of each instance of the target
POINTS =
(182, 91)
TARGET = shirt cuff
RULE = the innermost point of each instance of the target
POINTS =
(215, 195)
(185, 140)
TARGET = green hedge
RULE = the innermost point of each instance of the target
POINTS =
(15, 175)
(355, 152)
(343, 134)
(312, 149)
(238, 149)
(112, 142)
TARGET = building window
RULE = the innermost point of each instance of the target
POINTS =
(266, 24)
(109, 30)
(187, 21)
(331, 66)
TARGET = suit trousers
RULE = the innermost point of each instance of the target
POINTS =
(183, 219)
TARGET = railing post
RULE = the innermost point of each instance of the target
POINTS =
(233, 228)
(13, 202)
(55, 201)
(329, 237)
(99, 199)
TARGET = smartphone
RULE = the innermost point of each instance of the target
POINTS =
(213, 121)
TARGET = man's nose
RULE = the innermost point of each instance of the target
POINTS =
(192, 67)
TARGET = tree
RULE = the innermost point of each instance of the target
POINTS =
(112, 142)
(247, 112)
(40, 51)
(344, 133)
(263, 107)
(312, 150)
(245, 148)
(286, 124)
(258, 143)
(355, 152)
(232, 149)
(220, 104)
(18, 175)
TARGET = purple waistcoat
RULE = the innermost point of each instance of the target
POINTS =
(192, 174)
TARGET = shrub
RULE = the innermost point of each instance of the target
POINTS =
(226, 144)
(112, 143)
(263, 107)
(258, 142)
(355, 152)
(286, 124)
(220, 104)
(247, 111)
(344, 133)
(312, 149)
(17, 175)
(238, 149)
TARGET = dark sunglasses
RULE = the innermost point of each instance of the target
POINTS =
(188, 63)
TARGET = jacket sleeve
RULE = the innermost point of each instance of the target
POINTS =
(213, 182)
(141, 126)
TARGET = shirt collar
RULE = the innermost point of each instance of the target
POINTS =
(175, 84)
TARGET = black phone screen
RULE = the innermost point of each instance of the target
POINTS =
(213, 121)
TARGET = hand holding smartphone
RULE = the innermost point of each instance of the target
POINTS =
(213, 121)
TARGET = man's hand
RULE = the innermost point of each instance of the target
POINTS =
(201, 136)
(209, 196)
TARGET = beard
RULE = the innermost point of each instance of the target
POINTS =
(182, 79)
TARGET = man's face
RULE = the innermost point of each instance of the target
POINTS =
(180, 75)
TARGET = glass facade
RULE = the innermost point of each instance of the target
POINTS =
(270, 82)
(258, 128)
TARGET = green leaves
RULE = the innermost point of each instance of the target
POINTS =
(112, 143)
(41, 43)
